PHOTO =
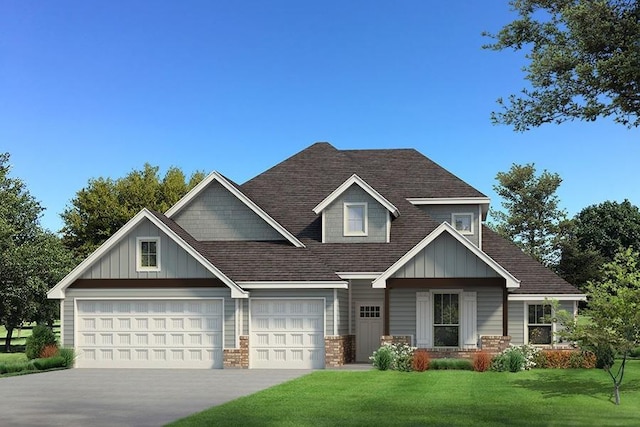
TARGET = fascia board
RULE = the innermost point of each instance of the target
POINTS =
(215, 176)
(355, 179)
(294, 285)
(542, 297)
(511, 281)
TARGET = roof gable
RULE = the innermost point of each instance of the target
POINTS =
(58, 291)
(217, 177)
(445, 227)
(356, 180)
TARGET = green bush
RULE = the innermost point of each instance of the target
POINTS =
(382, 358)
(516, 361)
(49, 363)
(69, 356)
(516, 358)
(451, 364)
(635, 352)
(605, 356)
(41, 336)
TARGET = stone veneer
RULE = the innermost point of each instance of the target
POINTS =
(339, 350)
(238, 357)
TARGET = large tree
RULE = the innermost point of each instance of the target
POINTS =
(596, 235)
(531, 216)
(32, 260)
(104, 205)
(583, 61)
(614, 313)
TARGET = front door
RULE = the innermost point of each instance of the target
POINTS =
(369, 325)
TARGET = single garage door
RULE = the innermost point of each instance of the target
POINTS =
(287, 333)
(146, 333)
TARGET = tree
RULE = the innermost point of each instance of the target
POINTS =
(614, 310)
(105, 205)
(532, 219)
(583, 61)
(596, 235)
(31, 259)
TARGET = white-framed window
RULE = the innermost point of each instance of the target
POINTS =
(462, 222)
(148, 254)
(355, 219)
(539, 324)
(446, 319)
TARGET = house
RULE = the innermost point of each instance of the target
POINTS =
(311, 264)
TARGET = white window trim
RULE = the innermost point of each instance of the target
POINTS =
(346, 231)
(139, 241)
(462, 214)
(526, 323)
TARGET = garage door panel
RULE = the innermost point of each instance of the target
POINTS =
(139, 334)
(287, 333)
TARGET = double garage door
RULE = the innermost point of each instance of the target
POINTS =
(188, 333)
(178, 333)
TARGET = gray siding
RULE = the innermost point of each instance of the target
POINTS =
(334, 218)
(442, 213)
(361, 291)
(302, 293)
(343, 312)
(402, 310)
(445, 257)
(229, 305)
(120, 261)
(516, 322)
(216, 214)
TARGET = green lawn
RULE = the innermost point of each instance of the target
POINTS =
(543, 397)
(12, 357)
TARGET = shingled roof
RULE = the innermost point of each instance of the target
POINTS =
(290, 190)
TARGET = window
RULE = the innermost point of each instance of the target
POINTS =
(539, 324)
(355, 219)
(463, 222)
(369, 311)
(148, 254)
(446, 320)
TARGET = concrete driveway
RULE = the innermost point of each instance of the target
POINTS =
(125, 397)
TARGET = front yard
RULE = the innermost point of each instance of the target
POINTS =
(542, 397)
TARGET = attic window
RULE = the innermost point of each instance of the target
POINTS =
(148, 254)
(462, 222)
(355, 219)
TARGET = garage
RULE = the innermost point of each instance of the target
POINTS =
(143, 333)
(286, 333)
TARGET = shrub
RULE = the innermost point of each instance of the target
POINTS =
(382, 358)
(421, 361)
(516, 361)
(41, 336)
(635, 352)
(564, 359)
(515, 358)
(49, 350)
(451, 364)
(69, 356)
(605, 356)
(481, 361)
(49, 363)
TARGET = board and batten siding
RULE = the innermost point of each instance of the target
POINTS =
(150, 294)
(216, 214)
(334, 218)
(361, 291)
(327, 294)
(402, 309)
(445, 257)
(121, 260)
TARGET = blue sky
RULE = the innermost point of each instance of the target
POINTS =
(90, 89)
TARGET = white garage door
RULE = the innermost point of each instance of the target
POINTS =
(287, 334)
(149, 333)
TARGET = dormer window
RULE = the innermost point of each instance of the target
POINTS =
(148, 254)
(355, 219)
(463, 222)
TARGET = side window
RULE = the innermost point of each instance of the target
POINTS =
(148, 254)
(539, 324)
(355, 219)
(462, 222)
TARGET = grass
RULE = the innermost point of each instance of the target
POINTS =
(543, 397)
(12, 357)
(19, 338)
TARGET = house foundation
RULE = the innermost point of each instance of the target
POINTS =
(339, 350)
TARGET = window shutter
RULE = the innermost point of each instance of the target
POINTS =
(424, 321)
(469, 320)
